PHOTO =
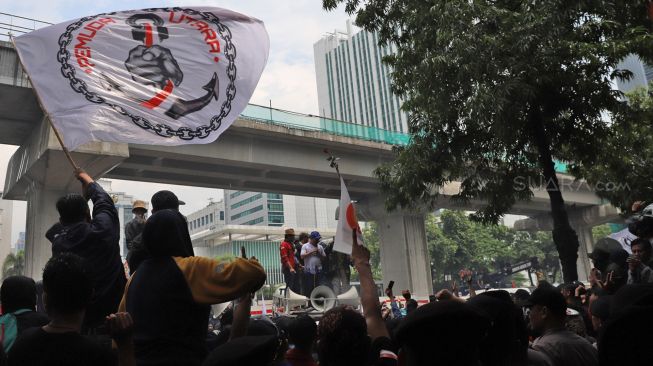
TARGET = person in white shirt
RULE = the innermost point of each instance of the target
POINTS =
(312, 254)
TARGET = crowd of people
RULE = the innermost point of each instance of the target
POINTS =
(88, 311)
(307, 261)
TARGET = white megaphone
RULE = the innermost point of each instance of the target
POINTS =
(294, 299)
(349, 298)
(323, 298)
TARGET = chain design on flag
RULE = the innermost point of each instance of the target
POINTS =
(184, 133)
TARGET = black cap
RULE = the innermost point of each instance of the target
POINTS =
(603, 247)
(439, 326)
(162, 200)
(549, 297)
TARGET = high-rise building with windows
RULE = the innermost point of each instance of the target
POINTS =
(273, 209)
(353, 84)
(20, 242)
(254, 208)
(210, 217)
(642, 73)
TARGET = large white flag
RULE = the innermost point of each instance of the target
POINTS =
(164, 76)
(347, 223)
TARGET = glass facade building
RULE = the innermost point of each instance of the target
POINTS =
(274, 209)
(353, 83)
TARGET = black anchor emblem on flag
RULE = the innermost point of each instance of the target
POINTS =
(154, 65)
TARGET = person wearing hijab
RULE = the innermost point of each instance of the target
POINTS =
(170, 294)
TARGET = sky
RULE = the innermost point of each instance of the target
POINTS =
(288, 80)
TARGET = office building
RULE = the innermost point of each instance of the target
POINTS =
(642, 73)
(20, 243)
(6, 216)
(352, 82)
(253, 208)
(210, 217)
(273, 209)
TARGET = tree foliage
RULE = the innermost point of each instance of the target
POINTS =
(601, 231)
(14, 264)
(456, 242)
(622, 169)
(496, 89)
(371, 238)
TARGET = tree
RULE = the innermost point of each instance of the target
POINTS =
(371, 239)
(496, 89)
(458, 242)
(621, 170)
(14, 264)
(601, 231)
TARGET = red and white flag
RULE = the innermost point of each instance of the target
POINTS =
(162, 76)
(347, 223)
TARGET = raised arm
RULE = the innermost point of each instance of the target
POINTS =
(213, 282)
(371, 310)
(105, 215)
(242, 315)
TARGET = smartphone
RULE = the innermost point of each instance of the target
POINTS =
(432, 298)
(391, 284)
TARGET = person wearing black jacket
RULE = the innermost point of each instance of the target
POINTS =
(161, 200)
(96, 239)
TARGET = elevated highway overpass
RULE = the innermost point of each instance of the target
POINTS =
(265, 150)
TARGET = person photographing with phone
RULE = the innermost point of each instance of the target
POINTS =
(639, 270)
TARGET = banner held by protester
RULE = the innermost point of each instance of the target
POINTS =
(161, 76)
(347, 223)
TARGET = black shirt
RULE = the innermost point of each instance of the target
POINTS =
(29, 320)
(36, 347)
(97, 243)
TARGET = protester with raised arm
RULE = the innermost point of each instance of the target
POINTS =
(170, 294)
(96, 239)
(347, 339)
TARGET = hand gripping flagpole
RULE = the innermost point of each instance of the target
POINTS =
(45, 112)
(333, 161)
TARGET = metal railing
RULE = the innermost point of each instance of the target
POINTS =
(15, 25)
(315, 123)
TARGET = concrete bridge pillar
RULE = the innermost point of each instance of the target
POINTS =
(404, 253)
(41, 215)
(39, 173)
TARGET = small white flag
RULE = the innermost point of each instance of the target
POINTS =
(161, 76)
(347, 223)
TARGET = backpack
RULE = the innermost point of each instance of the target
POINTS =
(9, 329)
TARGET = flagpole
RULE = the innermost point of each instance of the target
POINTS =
(45, 111)
(333, 162)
